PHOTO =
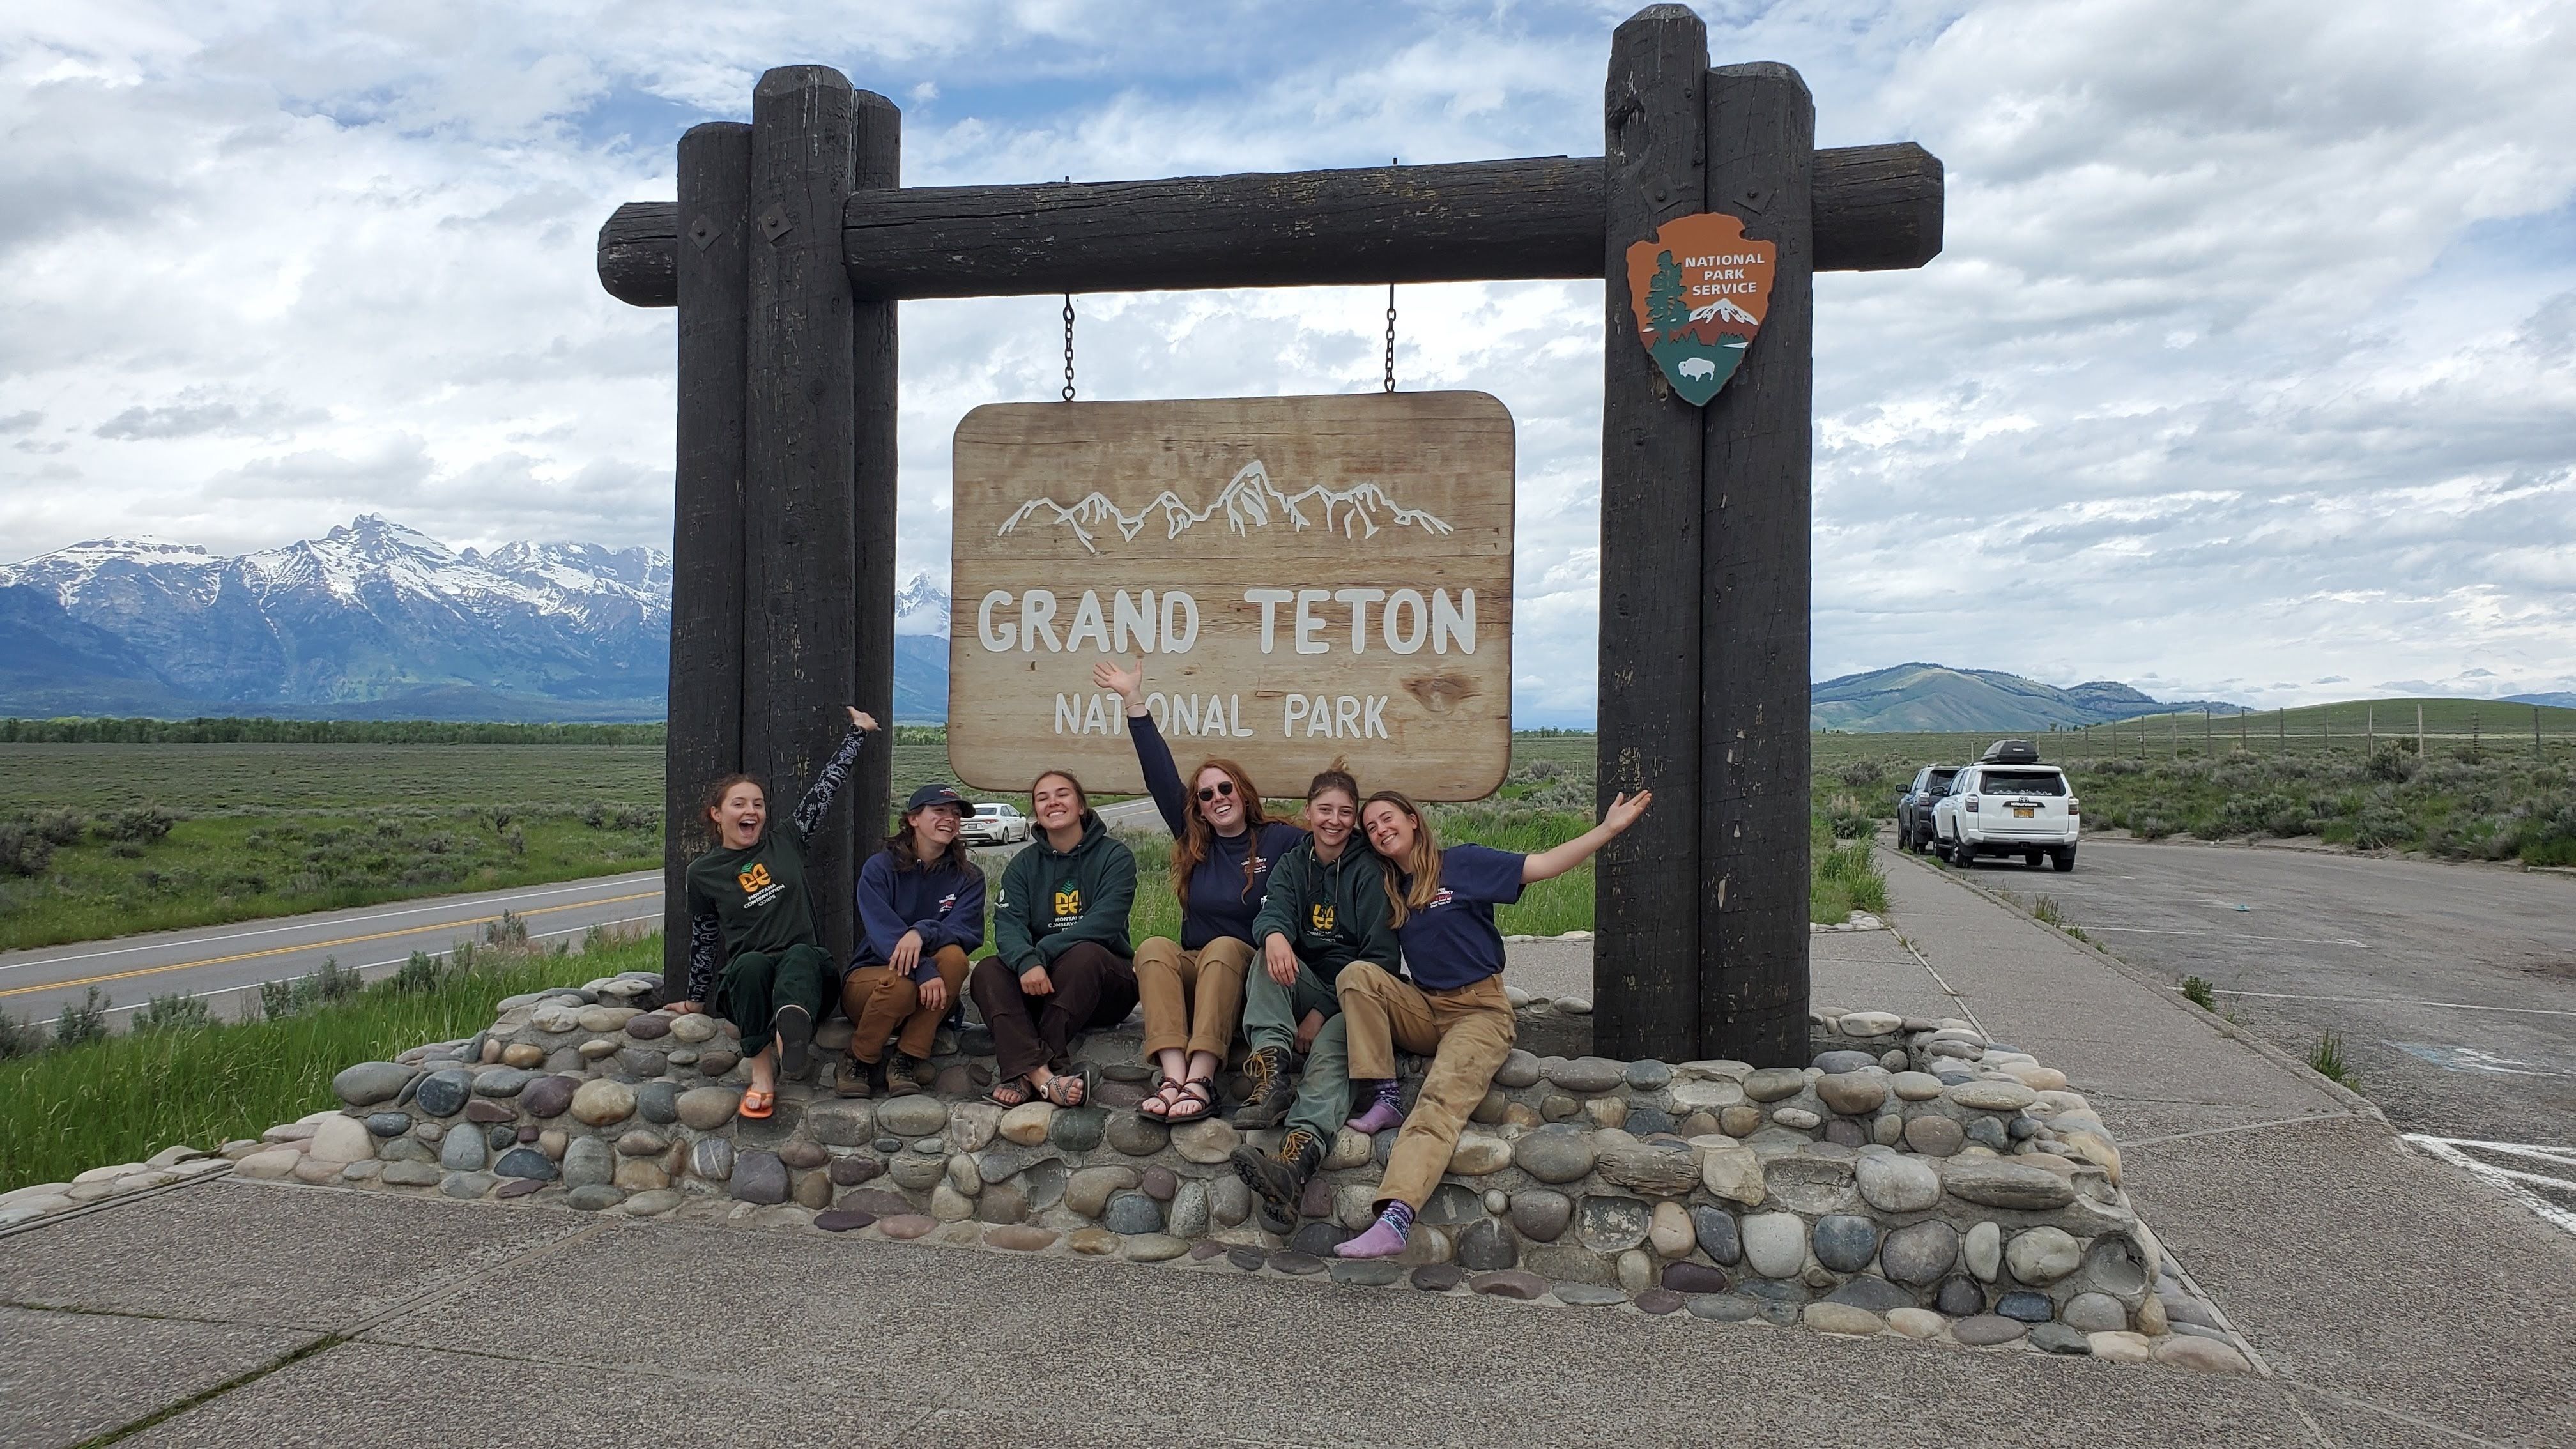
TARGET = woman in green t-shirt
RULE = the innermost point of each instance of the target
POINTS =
(754, 953)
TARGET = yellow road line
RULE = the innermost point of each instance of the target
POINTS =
(317, 945)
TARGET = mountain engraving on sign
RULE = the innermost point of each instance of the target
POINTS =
(1347, 591)
(1248, 501)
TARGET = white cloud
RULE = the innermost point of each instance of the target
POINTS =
(2252, 357)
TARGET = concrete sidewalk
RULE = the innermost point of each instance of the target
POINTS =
(2395, 1301)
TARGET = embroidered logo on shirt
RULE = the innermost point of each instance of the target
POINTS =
(1068, 903)
(757, 887)
(1439, 898)
(946, 902)
(1320, 918)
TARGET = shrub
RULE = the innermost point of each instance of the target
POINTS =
(2388, 763)
(510, 930)
(139, 826)
(60, 827)
(2116, 766)
(24, 850)
(1857, 773)
(2197, 991)
(279, 1000)
(177, 1011)
(419, 973)
(86, 1022)
(2327, 1058)
(19, 1038)
(2380, 825)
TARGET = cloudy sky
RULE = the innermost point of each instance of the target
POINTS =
(2249, 370)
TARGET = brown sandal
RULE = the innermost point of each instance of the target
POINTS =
(1197, 1093)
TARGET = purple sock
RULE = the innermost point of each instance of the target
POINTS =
(1385, 1237)
(1383, 1108)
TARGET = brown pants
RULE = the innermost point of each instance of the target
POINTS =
(1466, 1033)
(1192, 998)
(1094, 987)
(880, 1000)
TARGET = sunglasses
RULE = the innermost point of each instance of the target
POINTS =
(1221, 787)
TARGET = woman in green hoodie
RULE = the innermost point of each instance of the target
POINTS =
(1061, 962)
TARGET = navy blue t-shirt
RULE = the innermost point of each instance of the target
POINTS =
(1453, 941)
(1223, 898)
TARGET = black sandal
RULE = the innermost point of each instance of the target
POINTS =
(1020, 1084)
(1198, 1092)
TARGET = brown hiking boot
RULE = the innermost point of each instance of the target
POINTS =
(1270, 1094)
(1278, 1181)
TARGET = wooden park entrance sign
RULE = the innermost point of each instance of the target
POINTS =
(793, 239)
(1305, 577)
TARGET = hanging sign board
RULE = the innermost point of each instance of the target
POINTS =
(1700, 292)
(1304, 577)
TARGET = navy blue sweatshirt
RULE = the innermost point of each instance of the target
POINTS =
(1220, 902)
(944, 903)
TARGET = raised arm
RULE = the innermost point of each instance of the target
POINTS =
(1549, 864)
(1162, 778)
(827, 782)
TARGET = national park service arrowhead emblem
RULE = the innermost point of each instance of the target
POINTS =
(1700, 291)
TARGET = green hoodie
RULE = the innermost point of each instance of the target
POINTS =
(1332, 914)
(1052, 900)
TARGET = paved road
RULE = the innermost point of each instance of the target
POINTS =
(219, 962)
(2453, 986)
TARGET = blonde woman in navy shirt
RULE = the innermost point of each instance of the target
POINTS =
(1453, 1011)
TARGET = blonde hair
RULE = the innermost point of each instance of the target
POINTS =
(1420, 866)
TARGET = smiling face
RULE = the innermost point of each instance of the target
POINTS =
(1057, 802)
(1390, 831)
(1330, 815)
(1219, 800)
(934, 828)
(739, 816)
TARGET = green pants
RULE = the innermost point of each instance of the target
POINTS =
(754, 986)
(1270, 1016)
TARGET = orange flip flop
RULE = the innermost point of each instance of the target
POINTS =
(757, 1104)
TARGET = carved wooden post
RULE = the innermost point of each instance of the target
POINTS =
(877, 145)
(798, 650)
(1645, 952)
(704, 739)
(1756, 541)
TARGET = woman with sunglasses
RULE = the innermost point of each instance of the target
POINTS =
(1223, 848)
(1453, 1011)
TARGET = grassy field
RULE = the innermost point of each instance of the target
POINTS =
(73, 1108)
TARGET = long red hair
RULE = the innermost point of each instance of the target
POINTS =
(1197, 837)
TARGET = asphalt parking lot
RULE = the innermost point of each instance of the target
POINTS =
(2453, 986)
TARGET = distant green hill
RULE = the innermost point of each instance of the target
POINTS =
(1934, 698)
(2390, 718)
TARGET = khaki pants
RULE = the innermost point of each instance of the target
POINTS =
(1192, 998)
(1466, 1033)
(880, 1000)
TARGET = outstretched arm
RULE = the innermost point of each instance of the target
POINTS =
(827, 783)
(1162, 778)
(1549, 864)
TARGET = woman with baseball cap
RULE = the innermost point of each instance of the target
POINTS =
(921, 910)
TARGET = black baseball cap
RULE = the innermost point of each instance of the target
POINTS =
(938, 795)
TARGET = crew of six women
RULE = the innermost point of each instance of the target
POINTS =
(1333, 928)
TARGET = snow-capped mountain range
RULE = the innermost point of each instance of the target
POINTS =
(371, 620)
(1248, 501)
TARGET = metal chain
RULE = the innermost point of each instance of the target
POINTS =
(1390, 315)
(1068, 336)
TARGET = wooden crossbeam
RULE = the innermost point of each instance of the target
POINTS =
(1875, 208)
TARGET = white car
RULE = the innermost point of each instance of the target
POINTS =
(2008, 804)
(994, 824)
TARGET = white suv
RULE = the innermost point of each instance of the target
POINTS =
(2008, 804)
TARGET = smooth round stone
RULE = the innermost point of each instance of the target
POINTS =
(1088, 1191)
(526, 1162)
(708, 1108)
(1988, 1133)
(1739, 1120)
(1660, 1301)
(588, 1161)
(1487, 1245)
(1986, 1329)
(594, 1197)
(1510, 1283)
(1713, 1229)
(1670, 1233)
(652, 1204)
(1983, 1250)
(759, 1177)
(636, 1175)
(1844, 1060)
(1130, 1213)
(1092, 1242)
(411, 1174)
(2026, 1306)
(1934, 1136)
(523, 1054)
(2041, 1256)
(904, 1225)
(2207, 1354)
(1020, 1238)
(1991, 1094)
(913, 1116)
(659, 1103)
(842, 1220)
(1206, 1142)
(2094, 1313)
(1026, 1124)
(648, 1027)
(444, 1094)
(1919, 1252)
(388, 1124)
(711, 1158)
(1959, 1297)
(716, 1063)
(368, 1083)
(1074, 1129)
(1134, 1134)
(1845, 1242)
(888, 1145)
(1159, 1183)
(1588, 1295)
(1887, 1129)
(1915, 1086)
(1875, 1294)
(1648, 1120)
(1519, 1069)
(487, 1113)
(1555, 1154)
(1188, 1216)
(1897, 1183)
(1655, 1171)
(802, 1153)
(1367, 1272)
(1437, 1277)
(1775, 1244)
(1588, 1074)
(1319, 1238)
(972, 1125)
(857, 1168)
(501, 1081)
(1649, 1075)
(1294, 1263)
(1852, 1093)
(1843, 1318)
(1796, 1118)
(601, 1102)
(1229, 1201)
(1694, 1278)
(1724, 1308)
(841, 1123)
(639, 1143)
(1846, 1132)
(696, 1027)
(1477, 1154)
(1770, 1084)
(1612, 1224)
(2002, 1183)
(1540, 1214)
(2060, 1339)
(468, 1186)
